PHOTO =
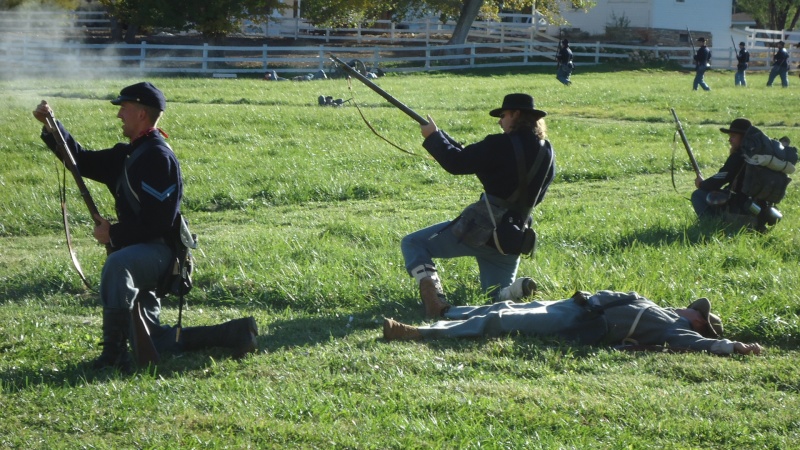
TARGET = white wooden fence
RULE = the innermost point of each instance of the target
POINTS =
(23, 51)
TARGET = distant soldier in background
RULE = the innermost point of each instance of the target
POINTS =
(780, 66)
(565, 64)
(743, 58)
(702, 61)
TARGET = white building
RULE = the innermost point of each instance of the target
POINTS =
(700, 16)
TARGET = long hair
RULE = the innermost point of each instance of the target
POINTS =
(528, 120)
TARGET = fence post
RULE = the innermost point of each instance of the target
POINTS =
(427, 34)
(597, 52)
(472, 52)
(731, 55)
(205, 57)
(428, 57)
(321, 57)
(264, 55)
(142, 54)
(391, 32)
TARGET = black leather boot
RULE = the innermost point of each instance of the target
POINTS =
(116, 329)
(239, 335)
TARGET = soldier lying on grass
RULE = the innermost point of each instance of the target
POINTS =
(603, 318)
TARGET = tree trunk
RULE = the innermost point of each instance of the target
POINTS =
(796, 16)
(469, 11)
(116, 30)
(130, 33)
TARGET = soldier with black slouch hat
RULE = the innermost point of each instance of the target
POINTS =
(515, 169)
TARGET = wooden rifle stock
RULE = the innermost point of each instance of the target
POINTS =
(354, 73)
(686, 143)
(144, 350)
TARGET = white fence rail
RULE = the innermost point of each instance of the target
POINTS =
(508, 44)
(31, 56)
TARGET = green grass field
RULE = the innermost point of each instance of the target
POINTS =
(300, 210)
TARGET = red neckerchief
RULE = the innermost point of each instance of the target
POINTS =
(150, 131)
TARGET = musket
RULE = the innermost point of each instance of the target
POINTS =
(144, 349)
(679, 129)
(71, 165)
(558, 51)
(354, 73)
(694, 52)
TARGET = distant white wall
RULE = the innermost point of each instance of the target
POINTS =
(713, 16)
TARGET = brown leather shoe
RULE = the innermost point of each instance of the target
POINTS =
(396, 331)
(433, 298)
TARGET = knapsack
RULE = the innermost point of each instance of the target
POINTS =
(767, 163)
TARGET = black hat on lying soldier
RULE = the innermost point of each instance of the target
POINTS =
(737, 126)
(143, 93)
(517, 102)
(703, 306)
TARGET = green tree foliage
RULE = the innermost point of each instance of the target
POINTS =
(213, 18)
(772, 14)
(337, 13)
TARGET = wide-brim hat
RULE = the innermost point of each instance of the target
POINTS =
(703, 306)
(701, 39)
(143, 93)
(737, 126)
(517, 102)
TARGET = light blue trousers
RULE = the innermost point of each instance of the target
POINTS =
(436, 241)
(563, 74)
(699, 79)
(739, 79)
(542, 318)
(779, 70)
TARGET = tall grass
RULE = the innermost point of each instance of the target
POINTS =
(300, 210)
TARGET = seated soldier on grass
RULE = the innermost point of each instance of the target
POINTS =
(750, 183)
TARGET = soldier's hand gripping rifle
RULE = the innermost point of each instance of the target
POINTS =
(679, 130)
(144, 349)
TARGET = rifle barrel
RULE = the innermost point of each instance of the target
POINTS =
(686, 143)
(69, 162)
(410, 112)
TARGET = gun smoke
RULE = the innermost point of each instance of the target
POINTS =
(39, 42)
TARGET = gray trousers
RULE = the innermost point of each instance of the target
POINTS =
(542, 318)
(132, 273)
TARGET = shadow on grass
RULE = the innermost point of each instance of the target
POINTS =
(24, 286)
(301, 329)
(698, 233)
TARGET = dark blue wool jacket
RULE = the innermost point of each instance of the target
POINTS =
(154, 177)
